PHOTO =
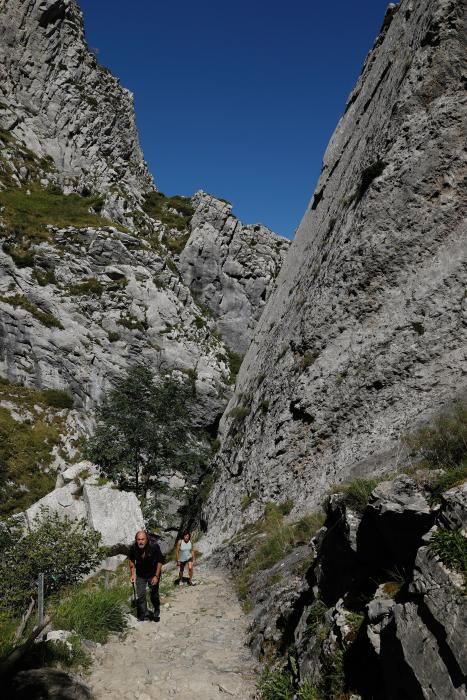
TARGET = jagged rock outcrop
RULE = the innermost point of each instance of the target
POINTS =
(231, 268)
(61, 103)
(359, 609)
(365, 335)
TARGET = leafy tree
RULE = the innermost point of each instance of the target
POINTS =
(143, 431)
(63, 549)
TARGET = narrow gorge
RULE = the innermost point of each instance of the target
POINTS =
(327, 376)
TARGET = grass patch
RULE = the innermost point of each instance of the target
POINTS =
(26, 446)
(271, 541)
(443, 445)
(69, 654)
(176, 244)
(90, 287)
(44, 277)
(93, 614)
(132, 323)
(28, 215)
(276, 685)
(357, 493)
(247, 500)
(159, 207)
(451, 547)
(240, 412)
(44, 317)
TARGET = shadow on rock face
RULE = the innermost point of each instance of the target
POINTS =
(46, 684)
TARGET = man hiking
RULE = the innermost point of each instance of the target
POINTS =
(145, 560)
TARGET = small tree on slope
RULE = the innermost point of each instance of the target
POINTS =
(143, 431)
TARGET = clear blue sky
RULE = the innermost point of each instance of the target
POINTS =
(233, 97)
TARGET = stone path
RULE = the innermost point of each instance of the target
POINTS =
(197, 650)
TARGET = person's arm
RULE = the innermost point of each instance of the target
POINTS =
(177, 552)
(157, 576)
(193, 556)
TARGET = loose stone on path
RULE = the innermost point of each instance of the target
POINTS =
(197, 650)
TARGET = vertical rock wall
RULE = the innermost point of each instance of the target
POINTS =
(366, 333)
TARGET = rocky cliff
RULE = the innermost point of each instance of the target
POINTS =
(365, 335)
(61, 103)
(94, 262)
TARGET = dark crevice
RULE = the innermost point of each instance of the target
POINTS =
(317, 198)
(300, 413)
(368, 175)
(55, 12)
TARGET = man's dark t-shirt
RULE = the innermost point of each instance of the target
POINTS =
(146, 567)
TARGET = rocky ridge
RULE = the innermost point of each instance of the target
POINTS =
(365, 334)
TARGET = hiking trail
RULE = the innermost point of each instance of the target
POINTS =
(197, 650)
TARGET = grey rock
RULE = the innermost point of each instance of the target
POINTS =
(361, 342)
(63, 501)
(115, 514)
(231, 268)
(445, 603)
(454, 508)
(63, 104)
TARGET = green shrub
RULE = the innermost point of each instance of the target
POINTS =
(57, 398)
(113, 336)
(454, 476)
(132, 323)
(44, 277)
(240, 412)
(64, 550)
(451, 548)
(8, 626)
(200, 322)
(316, 619)
(90, 287)
(307, 691)
(333, 680)
(444, 443)
(308, 358)
(264, 405)
(357, 493)
(308, 526)
(22, 254)
(158, 206)
(93, 614)
(276, 685)
(19, 301)
(176, 244)
(235, 360)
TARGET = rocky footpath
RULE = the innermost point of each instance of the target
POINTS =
(57, 99)
(370, 605)
(365, 336)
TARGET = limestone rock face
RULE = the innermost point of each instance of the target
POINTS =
(115, 514)
(97, 326)
(365, 336)
(231, 268)
(57, 99)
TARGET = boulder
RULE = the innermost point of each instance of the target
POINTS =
(66, 501)
(454, 508)
(115, 514)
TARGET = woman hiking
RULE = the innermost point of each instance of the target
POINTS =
(185, 554)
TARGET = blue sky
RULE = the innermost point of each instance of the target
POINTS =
(236, 98)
